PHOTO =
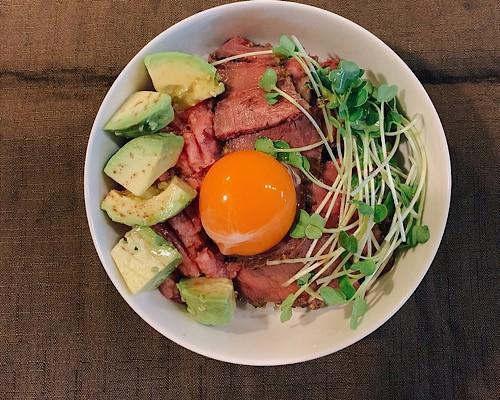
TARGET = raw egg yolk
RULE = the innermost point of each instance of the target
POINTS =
(247, 202)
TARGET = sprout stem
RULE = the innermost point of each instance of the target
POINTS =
(244, 55)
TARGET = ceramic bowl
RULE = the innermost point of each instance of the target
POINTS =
(256, 336)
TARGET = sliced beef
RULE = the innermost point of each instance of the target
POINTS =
(199, 255)
(300, 79)
(378, 233)
(185, 232)
(200, 119)
(297, 133)
(260, 283)
(166, 176)
(169, 288)
(295, 69)
(188, 267)
(237, 45)
(232, 269)
(209, 264)
(265, 284)
(244, 108)
(329, 174)
(330, 62)
(201, 148)
(287, 248)
(188, 230)
(376, 230)
(196, 179)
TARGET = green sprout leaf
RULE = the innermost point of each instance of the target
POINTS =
(286, 308)
(345, 254)
(407, 189)
(271, 98)
(299, 230)
(345, 76)
(297, 160)
(286, 314)
(369, 87)
(366, 267)
(343, 110)
(268, 80)
(305, 163)
(389, 204)
(287, 43)
(380, 213)
(288, 302)
(363, 208)
(359, 309)
(407, 193)
(313, 232)
(308, 226)
(396, 117)
(348, 242)
(281, 144)
(332, 296)
(304, 279)
(386, 93)
(314, 229)
(304, 217)
(372, 119)
(317, 220)
(421, 233)
(418, 234)
(350, 69)
(323, 75)
(265, 145)
(346, 287)
(335, 122)
(355, 114)
(361, 97)
(286, 48)
(354, 182)
(282, 157)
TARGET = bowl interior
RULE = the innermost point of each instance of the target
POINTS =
(256, 336)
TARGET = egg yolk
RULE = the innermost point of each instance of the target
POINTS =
(247, 202)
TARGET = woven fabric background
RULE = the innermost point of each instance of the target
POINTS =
(65, 333)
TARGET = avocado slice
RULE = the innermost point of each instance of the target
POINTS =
(210, 301)
(141, 161)
(187, 78)
(142, 113)
(153, 207)
(144, 259)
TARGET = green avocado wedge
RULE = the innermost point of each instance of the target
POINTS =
(187, 78)
(142, 160)
(153, 207)
(142, 113)
(144, 259)
(210, 301)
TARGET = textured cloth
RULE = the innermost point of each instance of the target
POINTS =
(65, 333)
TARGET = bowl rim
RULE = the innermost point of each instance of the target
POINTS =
(212, 353)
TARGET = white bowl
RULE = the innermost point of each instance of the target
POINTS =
(256, 336)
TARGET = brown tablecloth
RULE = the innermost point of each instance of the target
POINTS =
(64, 330)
